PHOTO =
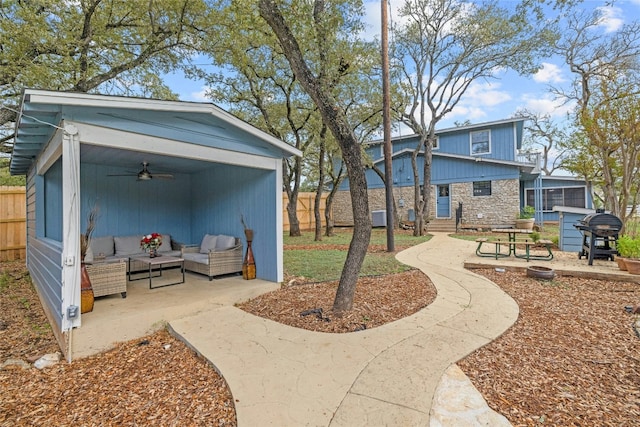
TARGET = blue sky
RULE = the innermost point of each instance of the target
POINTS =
(487, 100)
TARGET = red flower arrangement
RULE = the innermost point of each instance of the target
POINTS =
(151, 241)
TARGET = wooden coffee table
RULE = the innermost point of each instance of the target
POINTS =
(156, 265)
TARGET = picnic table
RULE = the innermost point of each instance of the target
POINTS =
(512, 244)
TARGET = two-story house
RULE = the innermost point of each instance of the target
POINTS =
(478, 170)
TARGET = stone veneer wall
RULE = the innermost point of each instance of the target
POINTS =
(501, 208)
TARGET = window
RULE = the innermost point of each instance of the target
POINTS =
(568, 196)
(480, 142)
(436, 143)
(482, 188)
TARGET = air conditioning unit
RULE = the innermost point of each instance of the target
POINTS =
(379, 218)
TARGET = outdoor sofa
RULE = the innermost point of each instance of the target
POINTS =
(215, 256)
(107, 261)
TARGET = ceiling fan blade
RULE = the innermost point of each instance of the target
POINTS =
(144, 174)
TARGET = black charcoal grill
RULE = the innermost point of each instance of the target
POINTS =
(600, 231)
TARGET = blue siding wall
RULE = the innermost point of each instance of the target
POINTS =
(448, 170)
(224, 193)
(570, 237)
(503, 145)
(127, 206)
(53, 202)
(44, 257)
(444, 170)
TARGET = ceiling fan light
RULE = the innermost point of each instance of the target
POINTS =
(144, 176)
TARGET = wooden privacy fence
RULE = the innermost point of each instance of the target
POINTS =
(13, 223)
(306, 203)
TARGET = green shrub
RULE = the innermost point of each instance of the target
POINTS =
(628, 247)
(527, 212)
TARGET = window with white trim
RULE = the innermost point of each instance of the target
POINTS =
(561, 196)
(480, 142)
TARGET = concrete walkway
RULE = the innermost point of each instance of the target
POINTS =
(387, 376)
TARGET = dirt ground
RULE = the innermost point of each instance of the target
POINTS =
(572, 358)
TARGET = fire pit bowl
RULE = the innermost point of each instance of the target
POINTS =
(538, 272)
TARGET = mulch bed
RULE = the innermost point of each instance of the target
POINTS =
(571, 359)
(378, 300)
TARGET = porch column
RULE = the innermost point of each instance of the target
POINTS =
(537, 200)
(279, 223)
(70, 229)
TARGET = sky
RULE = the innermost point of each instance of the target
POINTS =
(490, 100)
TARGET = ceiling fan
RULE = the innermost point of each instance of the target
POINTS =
(145, 175)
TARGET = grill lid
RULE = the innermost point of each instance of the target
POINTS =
(600, 224)
(602, 221)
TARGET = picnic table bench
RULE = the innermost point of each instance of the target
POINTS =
(512, 245)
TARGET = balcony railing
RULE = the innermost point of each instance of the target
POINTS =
(529, 158)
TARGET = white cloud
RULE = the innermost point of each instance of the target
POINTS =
(373, 20)
(612, 18)
(549, 73)
(546, 104)
(199, 96)
(476, 104)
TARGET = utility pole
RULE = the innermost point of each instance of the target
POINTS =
(386, 122)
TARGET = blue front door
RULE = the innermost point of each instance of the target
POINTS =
(443, 205)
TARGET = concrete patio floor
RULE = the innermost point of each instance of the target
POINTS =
(145, 310)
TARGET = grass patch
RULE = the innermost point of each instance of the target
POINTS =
(326, 265)
(342, 236)
(321, 261)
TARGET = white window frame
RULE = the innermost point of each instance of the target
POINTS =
(488, 132)
(572, 187)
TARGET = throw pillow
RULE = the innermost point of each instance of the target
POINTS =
(208, 243)
(166, 243)
(102, 245)
(225, 242)
(128, 245)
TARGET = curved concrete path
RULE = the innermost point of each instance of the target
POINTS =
(284, 376)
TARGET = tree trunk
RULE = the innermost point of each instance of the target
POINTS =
(335, 119)
(418, 204)
(426, 186)
(316, 207)
(328, 208)
(291, 184)
(292, 212)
